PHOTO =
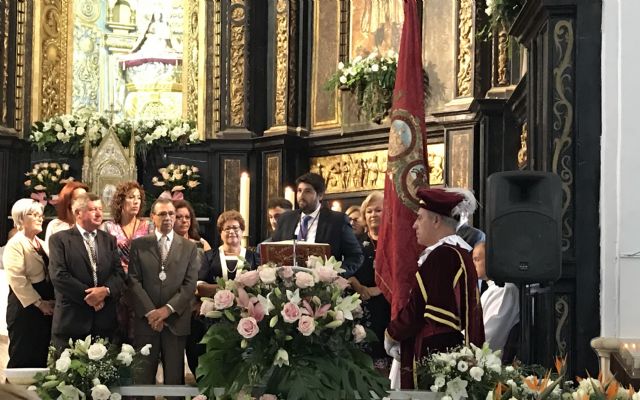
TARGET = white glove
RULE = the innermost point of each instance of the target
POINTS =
(392, 347)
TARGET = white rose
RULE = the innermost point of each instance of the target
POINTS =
(476, 373)
(146, 350)
(358, 333)
(63, 364)
(340, 65)
(125, 358)
(127, 348)
(96, 351)
(343, 79)
(267, 275)
(440, 381)
(375, 68)
(100, 392)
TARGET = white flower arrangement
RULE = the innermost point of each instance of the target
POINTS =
(45, 180)
(86, 370)
(65, 134)
(177, 180)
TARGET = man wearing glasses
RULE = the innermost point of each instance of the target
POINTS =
(163, 271)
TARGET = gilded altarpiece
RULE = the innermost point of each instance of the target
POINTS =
(52, 58)
(327, 18)
(87, 41)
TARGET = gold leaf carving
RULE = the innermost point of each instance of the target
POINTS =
(237, 66)
(282, 62)
(54, 58)
(5, 61)
(352, 172)
(21, 29)
(190, 61)
(465, 47)
(522, 153)
(217, 40)
(502, 56)
(563, 38)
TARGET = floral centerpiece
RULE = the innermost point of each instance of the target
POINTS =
(44, 182)
(478, 373)
(288, 332)
(501, 14)
(87, 369)
(177, 181)
(371, 79)
(66, 134)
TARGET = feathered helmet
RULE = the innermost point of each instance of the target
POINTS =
(450, 202)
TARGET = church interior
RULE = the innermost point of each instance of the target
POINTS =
(250, 94)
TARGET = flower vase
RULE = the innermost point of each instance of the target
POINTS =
(125, 378)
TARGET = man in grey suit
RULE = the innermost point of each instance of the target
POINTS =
(163, 271)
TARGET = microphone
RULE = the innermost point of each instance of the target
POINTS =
(295, 258)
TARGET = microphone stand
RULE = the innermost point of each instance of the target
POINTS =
(295, 258)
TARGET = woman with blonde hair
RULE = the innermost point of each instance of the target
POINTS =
(31, 297)
(377, 310)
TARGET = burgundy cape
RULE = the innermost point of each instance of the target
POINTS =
(443, 302)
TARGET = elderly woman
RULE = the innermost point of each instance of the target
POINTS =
(222, 262)
(377, 310)
(127, 224)
(65, 219)
(354, 214)
(187, 225)
(30, 303)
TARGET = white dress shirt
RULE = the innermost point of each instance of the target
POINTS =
(313, 225)
(500, 312)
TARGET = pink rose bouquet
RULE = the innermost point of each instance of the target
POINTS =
(282, 327)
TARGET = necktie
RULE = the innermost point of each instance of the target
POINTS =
(164, 251)
(93, 257)
(304, 227)
(483, 286)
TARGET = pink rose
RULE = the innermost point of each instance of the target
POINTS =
(285, 272)
(200, 397)
(290, 312)
(223, 299)
(304, 280)
(268, 397)
(248, 327)
(267, 275)
(206, 307)
(248, 279)
(326, 274)
(306, 325)
(341, 283)
(358, 333)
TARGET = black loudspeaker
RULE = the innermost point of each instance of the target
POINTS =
(523, 229)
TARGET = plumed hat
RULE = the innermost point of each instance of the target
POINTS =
(450, 202)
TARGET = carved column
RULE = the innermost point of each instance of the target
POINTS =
(283, 53)
(235, 63)
(4, 59)
(52, 58)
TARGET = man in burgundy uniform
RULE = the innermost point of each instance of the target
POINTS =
(443, 310)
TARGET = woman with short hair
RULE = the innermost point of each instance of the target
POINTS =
(31, 297)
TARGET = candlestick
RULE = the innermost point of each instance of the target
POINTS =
(290, 195)
(244, 205)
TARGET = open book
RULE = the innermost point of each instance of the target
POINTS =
(282, 252)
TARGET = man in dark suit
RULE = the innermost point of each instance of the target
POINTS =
(163, 271)
(86, 274)
(314, 224)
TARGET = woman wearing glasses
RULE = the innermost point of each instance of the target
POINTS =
(31, 299)
(223, 262)
(187, 225)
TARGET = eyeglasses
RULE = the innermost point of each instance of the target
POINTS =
(231, 229)
(164, 214)
(36, 215)
(185, 217)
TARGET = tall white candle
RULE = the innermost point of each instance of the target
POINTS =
(244, 205)
(290, 195)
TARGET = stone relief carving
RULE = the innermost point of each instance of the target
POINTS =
(352, 172)
(465, 47)
(85, 69)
